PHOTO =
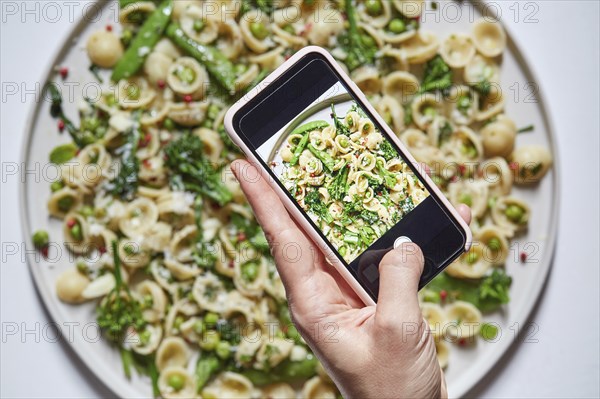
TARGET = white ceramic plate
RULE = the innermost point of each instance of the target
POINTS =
(467, 366)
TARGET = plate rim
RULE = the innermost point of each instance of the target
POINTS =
(49, 301)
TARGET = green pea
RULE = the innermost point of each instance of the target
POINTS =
(387, 117)
(87, 211)
(259, 30)
(56, 185)
(133, 92)
(199, 25)
(129, 249)
(126, 37)
(472, 257)
(289, 29)
(213, 111)
(430, 111)
(373, 7)
(471, 152)
(515, 213)
(250, 271)
(111, 100)
(101, 131)
(148, 301)
(145, 337)
(210, 340)
(178, 321)
(211, 318)
(343, 250)
(176, 382)
(494, 244)
(76, 232)
(466, 199)
(186, 75)
(431, 296)
(397, 26)
(368, 40)
(240, 69)
(40, 239)
(65, 203)
(99, 213)
(169, 124)
(82, 267)
(90, 123)
(464, 102)
(223, 349)
(207, 123)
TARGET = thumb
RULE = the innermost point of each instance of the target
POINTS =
(399, 274)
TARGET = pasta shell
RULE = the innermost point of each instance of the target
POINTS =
(511, 214)
(471, 265)
(496, 172)
(70, 286)
(150, 292)
(400, 85)
(229, 385)
(499, 137)
(192, 114)
(489, 37)
(532, 163)
(421, 47)
(187, 77)
(442, 352)
(172, 352)
(317, 388)
(99, 287)
(435, 317)
(188, 390)
(146, 341)
(410, 8)
(377, 21)
(466, 318)
(497, 247)
(457, 50)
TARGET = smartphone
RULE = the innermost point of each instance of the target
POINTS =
(342, 173)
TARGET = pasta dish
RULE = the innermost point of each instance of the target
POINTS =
(166, 247)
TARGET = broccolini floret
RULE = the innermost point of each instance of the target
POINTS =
(389, 178)
(119, 311)
(191, 172)
(317, 206)
(438, 75)
(387, 150)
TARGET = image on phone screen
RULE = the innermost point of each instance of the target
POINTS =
(343, 172)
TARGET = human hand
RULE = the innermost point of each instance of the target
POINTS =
(382, 351)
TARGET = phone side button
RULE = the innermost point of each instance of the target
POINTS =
(401, 240)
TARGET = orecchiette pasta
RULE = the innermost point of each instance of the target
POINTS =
(104, 48)
(189, 251)
(489, 37)
(531, 162)
(457, 50)
(70, 284)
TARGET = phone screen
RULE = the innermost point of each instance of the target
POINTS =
(344, 173)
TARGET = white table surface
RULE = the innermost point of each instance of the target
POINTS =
(563, 47)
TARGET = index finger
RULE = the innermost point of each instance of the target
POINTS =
(291, 249)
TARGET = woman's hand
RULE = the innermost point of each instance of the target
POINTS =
(382, 351)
